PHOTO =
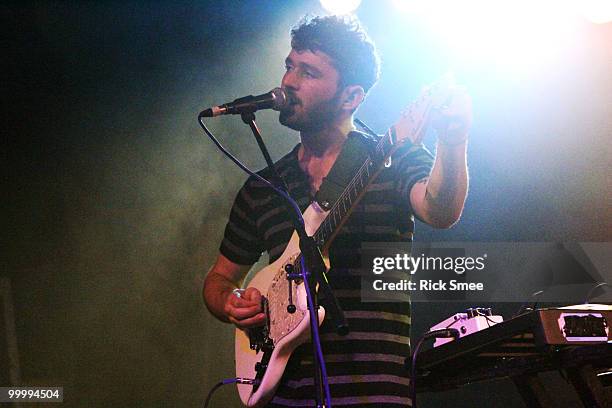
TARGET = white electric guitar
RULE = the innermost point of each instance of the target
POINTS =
(262, 353)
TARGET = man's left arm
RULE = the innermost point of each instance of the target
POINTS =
(438, 199)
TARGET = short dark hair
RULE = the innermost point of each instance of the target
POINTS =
(352, 51)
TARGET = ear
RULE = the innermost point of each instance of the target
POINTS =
(352, 96)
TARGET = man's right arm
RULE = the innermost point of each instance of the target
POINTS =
(225, 276)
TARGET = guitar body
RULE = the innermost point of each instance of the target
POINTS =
(286, 330)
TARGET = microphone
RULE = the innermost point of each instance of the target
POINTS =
(276, 99)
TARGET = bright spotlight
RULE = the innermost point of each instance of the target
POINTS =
(597, 11)
(512, 35)
(409, 6)
(340, 6)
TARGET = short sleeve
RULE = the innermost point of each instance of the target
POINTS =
(413, 163)
(241, 242)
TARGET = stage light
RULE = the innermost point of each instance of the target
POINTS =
(410, 6)
(340, 6)
(596, 11)
(512, 36)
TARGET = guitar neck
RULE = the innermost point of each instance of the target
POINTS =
(355, 190)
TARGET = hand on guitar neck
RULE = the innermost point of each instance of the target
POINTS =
(454, 119)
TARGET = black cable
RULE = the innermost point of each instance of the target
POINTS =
(238, 380)
(486, 316)
(453, 323)
(593, 289)
(523, 306)
(489, 321)
(246, 169)
(210, 393)
(413, 371)
(442, 333)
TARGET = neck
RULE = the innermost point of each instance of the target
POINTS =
(328, 140)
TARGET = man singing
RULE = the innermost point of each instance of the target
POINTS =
(331, 67)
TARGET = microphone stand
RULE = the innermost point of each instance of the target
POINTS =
(248, 117)
(313, 272)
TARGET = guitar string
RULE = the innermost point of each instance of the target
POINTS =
(380, 148)
(346, 191)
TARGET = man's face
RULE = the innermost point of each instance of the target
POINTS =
(312, 83)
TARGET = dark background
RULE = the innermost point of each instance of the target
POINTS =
(115, 201)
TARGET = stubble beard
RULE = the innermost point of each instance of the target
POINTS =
(315, 119)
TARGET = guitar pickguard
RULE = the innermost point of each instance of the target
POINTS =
(286, 330)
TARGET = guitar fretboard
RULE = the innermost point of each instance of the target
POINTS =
(355, 189)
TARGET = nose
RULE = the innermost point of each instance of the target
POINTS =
(290, 80)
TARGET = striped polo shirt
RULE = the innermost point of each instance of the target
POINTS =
(365, 368)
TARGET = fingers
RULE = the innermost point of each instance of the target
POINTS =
(410, 126)
(245, 311)
(460, 99)
(255, 321)
(252, 294)
(241, 308)
(455, 117)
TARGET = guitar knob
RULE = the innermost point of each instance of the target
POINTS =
(291, 309)
(289, 268)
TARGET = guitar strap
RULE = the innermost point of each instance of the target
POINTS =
(353, 154)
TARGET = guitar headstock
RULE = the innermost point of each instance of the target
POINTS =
(412, 124)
